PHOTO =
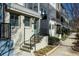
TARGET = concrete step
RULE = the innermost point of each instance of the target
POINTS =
(32, 44)
(36, 41)
(26, 46)
(25, 49)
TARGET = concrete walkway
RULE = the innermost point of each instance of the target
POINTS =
(18, 52)
(65, 48)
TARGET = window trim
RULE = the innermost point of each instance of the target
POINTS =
(3, 32)
(15, 19)
(28, 26)
(15, 27)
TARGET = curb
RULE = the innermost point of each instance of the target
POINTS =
(50, 52)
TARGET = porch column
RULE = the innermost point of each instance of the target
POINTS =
(39, 8)
(39, 25)
(32, 24)
(7, 17)
(21, 24)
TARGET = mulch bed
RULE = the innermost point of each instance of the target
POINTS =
(44, 50)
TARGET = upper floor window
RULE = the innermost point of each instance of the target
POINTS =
(36, 7)
(21, 4)
(58, 6)
(33, 6)
(30, 5)
(57, 15)
(27, 21)
(44, 14)
(0, 7)
(62, 20)
(14, 19)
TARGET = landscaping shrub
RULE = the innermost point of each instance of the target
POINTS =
(76, 44)
(77, 30)
(53, 40)
(77, 35)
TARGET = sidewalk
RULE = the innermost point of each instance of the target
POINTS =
(19, 52)
(65, 48)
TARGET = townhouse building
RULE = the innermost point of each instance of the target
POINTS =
(65, 20)
(30, 24)
(52, 20)
(24, 21)
(55, 19)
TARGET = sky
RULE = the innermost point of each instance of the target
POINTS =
(69, 8)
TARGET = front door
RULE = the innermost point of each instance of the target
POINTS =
(28, 28)
(36, 26)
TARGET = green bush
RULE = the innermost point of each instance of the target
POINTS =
(65, 31)
(77, 35)
(53, 40)
(77, 30)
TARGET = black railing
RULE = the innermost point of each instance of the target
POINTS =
(6, 47)
(33, 37)
(6, 43)
(32, 40)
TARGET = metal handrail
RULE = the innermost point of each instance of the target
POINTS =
(5, 44)
(7, 51)
(32, 37)
(30, 40)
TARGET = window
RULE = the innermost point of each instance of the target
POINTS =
(36, 24)
(14, 19)
(58, 31)
(58, 5)
(5, 31)
(30, 5)
(33, 6)
(0, 7)
(62, 19)
(27, 21)
(49, 26)
(44, 14)
(53, 26)
(1, 12)
(36, 7)
(57, 15)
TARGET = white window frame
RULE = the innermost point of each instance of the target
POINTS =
(29, 26)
